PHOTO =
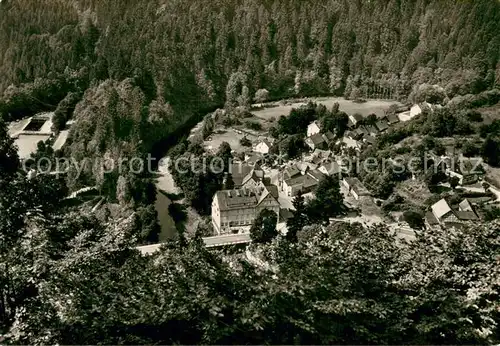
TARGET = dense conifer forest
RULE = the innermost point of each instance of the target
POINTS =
(185, 52)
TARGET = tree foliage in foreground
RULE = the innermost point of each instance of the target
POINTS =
(263, 229)
(338, 285)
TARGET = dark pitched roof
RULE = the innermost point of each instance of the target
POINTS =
(372, 129)
(357, 186)
(431, 219)
(364, 130)
(236, 199)
(332, 167)
(254, 158)
(239, 172)
(357, 116)
(317, 139)
(382, 125)
(305, 181)
(316, 174)
(369, 139)
(350, 134)
(285, 214)
(328, 136)
(393, 119)
(243, 198)
(359, 133)
(466, 215)
(291, 172)
(273, 190)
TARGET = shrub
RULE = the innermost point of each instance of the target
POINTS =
(245, 142)
(253, 125)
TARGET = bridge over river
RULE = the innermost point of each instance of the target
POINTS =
(210, 242)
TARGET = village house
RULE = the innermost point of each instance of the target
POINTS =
(465, 205)
(392, 119)
(305, 167)
(316, 142)
(330, 168)
(351, 143)
(318, 156)
(235, 210)
(263, 146)
(355, 187)
(313, 128)
(302, 183)
(382, 125)
(355, 118)
(372, 130)
(329, 137)
(369, 140)
(290, 172)
(244, 175)
(442, 211)
(253, 158)
(467, 170)
(443, 214)
(361, 131)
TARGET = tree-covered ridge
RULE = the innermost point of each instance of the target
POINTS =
(382, 47)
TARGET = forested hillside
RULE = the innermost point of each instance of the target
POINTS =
(175, 48)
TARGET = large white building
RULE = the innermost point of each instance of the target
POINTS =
(235, 210)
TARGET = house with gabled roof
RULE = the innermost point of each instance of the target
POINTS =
(313, 128)
(351, 143)
(465, 205)
(302, 183)
(290, 172)
(318, 156)
(355, 187)
(245, 175)
(355, 118)
(316, 142)
(445, 215)
(372, 130)
(263, 146)
(329, 137)
(369, 140)
(330, 168)
(467, 170)
(382, 125)
(392, 119)
(442, 211)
